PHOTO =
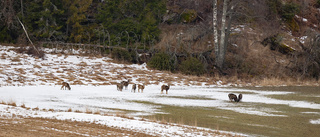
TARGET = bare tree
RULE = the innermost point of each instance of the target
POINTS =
(222, 33)
(220, 41)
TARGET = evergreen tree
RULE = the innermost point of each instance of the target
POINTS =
(76, 18)
(42, 19)
(9, 30)
(136, 18)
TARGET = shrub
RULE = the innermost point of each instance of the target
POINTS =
(192, 66)
(189, 16)
(286, 11)
(289, 10)
(123, 55)
(161, 61)
(308, 62)
(31, 51)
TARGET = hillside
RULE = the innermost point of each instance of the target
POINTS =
(268, 40)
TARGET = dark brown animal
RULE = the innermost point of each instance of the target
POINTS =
(119, 86)
(165, 87)
(140, 88)
(234, 97)
(125, 83)
(65, 85)
(134, 87)
(239, 97)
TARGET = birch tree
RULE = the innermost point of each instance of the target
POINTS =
(221, 39)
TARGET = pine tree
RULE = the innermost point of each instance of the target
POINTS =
(138, 19)
(42, 19)
(76, 16)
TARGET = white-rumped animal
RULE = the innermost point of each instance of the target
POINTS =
(65, 85)
(140, 88)
(165, 87)
(134, 87)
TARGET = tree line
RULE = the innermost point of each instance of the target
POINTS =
(115, 22)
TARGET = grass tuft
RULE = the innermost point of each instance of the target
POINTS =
(37, 108)
(23, 105)
(69, 110)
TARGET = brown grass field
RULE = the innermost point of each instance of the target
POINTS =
(30, 127)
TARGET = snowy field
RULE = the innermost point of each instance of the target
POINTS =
(35, 83)
(107, 99)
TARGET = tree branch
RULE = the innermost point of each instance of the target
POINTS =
(25, 31)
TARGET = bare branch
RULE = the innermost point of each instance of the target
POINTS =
(27, 35)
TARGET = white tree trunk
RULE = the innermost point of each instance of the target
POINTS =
(215, 28)
(221, 53)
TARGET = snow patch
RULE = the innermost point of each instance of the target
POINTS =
(317, 121)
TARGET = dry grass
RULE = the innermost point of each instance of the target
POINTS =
(52, 110)
(69, 110)
(83, 64)
(35, 109)
(88, 110)
(77, 111)
(276, 81)
(12, 103)
(23, 105)
(16, 59)
(97, 112)
(3, 102)
(60, 128)
(36, 66)
(3, 56)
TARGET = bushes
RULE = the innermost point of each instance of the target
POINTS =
(161, 61)
(307, 62)
(289, 10)
(31, 51)
(192, 66)
(286, 11)
(124, 55)
(318, 3)
(188, 16)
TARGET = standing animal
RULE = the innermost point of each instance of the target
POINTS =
(65, 85)
(125, 83)
(165, 87)
(134, 87)
(140, 87)
(234, 97)
(119, 86)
